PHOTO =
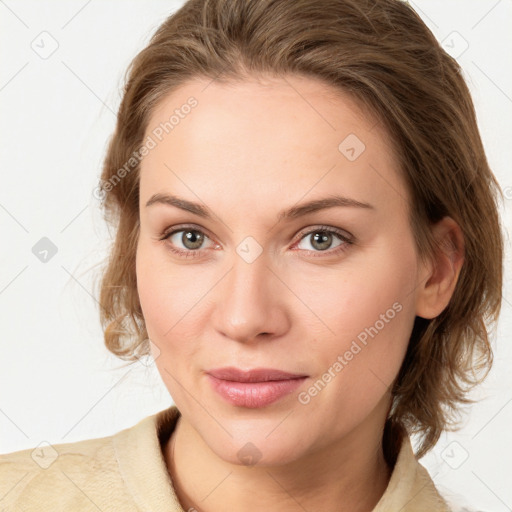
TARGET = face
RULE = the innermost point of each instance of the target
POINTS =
(251, 278)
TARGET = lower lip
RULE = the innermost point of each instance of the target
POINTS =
(254, 394)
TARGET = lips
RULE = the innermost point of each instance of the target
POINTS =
(255, 375)
(253, 388)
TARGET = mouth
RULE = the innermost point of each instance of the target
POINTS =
(254, 388)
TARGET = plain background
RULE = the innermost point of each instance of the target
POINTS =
(58, 383)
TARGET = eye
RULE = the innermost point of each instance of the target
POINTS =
(322, 238)
(190, 238)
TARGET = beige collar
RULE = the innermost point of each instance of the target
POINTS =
(143, 468)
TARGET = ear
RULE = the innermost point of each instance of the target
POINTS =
(438, 278)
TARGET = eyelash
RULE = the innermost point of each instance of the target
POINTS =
(347, 241)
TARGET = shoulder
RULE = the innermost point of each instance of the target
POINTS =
(411, 487)
(125, 471)
(458, 504)
(463, 508)
(59, 476)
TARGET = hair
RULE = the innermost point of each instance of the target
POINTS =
(382, 54)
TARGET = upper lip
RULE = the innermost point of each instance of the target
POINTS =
(254, 375)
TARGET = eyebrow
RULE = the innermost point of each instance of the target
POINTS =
(291, 213)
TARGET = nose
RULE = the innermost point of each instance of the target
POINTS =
(251, 302)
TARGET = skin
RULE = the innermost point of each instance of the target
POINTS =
(246, 152)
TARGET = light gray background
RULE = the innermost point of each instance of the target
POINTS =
(57, 381)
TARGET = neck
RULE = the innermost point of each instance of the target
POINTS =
(350, 476)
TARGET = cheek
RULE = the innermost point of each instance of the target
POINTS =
(163, 307)
(346, 300)
(164, 294)
(154, 301)
(366, 320)
(171, 299)
(371, 316)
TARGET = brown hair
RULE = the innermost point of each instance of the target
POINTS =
(382, 53)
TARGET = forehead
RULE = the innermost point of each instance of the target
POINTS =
(264, 137)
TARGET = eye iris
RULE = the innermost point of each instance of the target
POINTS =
(193, 238)
(323, 239)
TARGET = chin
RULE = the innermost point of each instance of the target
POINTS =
(258, 450)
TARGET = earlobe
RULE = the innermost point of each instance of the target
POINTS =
(439, 279)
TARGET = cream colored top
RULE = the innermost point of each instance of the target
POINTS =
(127, 472)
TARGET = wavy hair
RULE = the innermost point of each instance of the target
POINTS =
(382, 53)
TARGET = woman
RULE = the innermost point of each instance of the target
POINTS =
(298, 191)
